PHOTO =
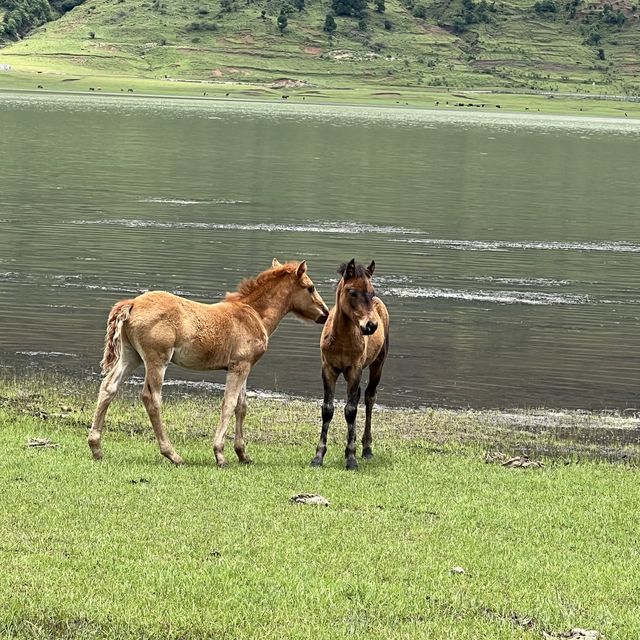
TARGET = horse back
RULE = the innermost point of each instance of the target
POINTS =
(198, 336)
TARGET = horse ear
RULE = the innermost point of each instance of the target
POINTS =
(348, 270)
(371, 268)
(302, 269)
(276, 263)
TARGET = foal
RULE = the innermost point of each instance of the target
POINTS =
(157, 328)
(355, 336)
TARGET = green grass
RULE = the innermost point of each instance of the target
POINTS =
(132, 547)
(396, 97)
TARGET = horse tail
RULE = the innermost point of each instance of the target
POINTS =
(113, 339)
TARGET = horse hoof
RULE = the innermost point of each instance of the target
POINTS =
(221, 464)
(94, 445)
(352, 465)
(176, 459)
(316, 462)
(367, 454)
(246, 460)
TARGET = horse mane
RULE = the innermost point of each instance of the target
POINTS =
(360, 270)
(251, 285)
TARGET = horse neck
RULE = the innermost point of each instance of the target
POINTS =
(343, 326)
(271, 303)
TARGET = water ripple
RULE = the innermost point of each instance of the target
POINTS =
(499, 297)
(527, 282)
(179, 201)
(49, 354)
(311, 227)
(502, 245)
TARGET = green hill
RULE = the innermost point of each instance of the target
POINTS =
(551, 45)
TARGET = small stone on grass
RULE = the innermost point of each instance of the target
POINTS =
(41, 443)
(574, 634)
(522, 462)
(309, 498)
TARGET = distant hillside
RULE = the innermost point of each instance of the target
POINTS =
(525, 44)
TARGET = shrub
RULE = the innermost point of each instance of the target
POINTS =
(329, 24)
(349, 7)
(67, 5)
(282, 23)
(545, 6)
(458, 25)
(614, 18)
(593, 37)
(202, 26)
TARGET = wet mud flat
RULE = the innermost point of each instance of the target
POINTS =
(192, 410)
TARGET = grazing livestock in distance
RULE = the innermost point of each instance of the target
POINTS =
(355, 336)
(157, 328)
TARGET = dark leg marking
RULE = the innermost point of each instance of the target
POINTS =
(329, 378)
(350, 414)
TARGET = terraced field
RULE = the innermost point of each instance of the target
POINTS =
(518, 48)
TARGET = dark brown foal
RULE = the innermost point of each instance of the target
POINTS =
(355, 336)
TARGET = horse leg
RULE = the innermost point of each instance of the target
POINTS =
(375, 373)
(152, 400)
(350, 412)
(236, 380)
(241, 412)
(128, 361)
(329, 378)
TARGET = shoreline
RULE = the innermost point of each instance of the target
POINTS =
(192, 412)
(396, 97)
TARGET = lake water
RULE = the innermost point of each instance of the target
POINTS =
(507, 247)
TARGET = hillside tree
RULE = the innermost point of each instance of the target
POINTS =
(282, 23)
(330, 25)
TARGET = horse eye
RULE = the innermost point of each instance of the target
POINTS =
(311, 289)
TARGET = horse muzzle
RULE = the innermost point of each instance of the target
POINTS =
(322, 318)
(369, 328)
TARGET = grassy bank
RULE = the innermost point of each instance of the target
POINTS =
(132, 547)
(409, 54)
(471, 101)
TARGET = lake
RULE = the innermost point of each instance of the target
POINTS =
(507, 247)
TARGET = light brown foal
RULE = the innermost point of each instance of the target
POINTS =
(157, 328)
(355, 336)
